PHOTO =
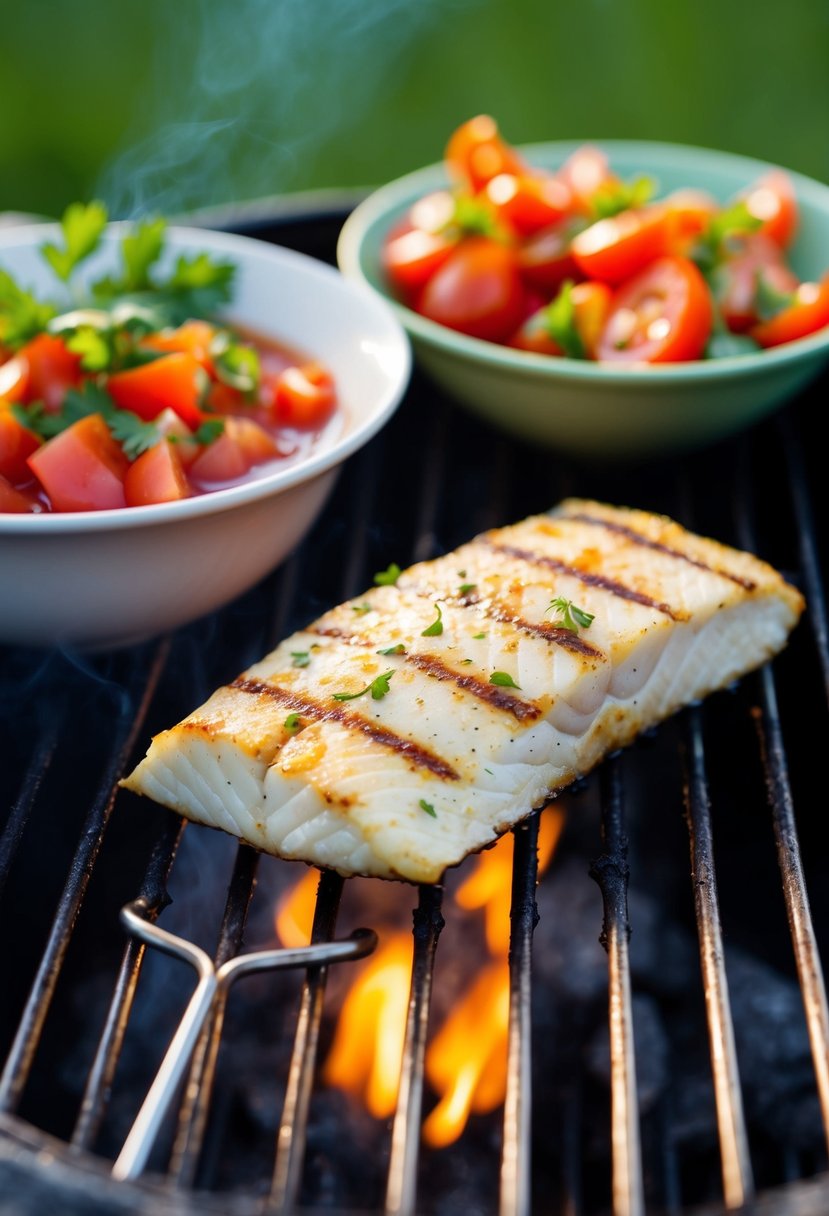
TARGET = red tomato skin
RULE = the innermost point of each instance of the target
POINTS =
(304, 396)
(17, 443)
(478, 291)
(42, 370)
(611, 250)
(476, 152)
(686, 299)
(772, 199)
(173, 381)
(157, 475)
(808, 315)
(82, 468)
(735, 280)
(545, 259)
(14, 501)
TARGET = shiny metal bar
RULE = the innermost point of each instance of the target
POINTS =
(737, 1176)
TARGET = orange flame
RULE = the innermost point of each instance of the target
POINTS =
(367, 1051)
(295, 911)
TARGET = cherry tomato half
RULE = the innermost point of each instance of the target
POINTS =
(663, 314)
(806, 315)
(477, 291)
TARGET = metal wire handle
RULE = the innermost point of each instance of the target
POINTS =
(212, 985)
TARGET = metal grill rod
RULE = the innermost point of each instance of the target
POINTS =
(212, 981)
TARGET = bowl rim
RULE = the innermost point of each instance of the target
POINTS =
(395, 194)
(318, 461)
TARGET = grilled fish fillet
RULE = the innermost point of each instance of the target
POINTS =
(411, 726)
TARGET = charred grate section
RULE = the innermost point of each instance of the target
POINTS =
(673, 1076)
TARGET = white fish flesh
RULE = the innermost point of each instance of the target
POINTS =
(412, 725)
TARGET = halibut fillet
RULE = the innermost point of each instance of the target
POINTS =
(412, 725)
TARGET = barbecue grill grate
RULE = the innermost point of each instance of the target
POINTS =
(73, 724)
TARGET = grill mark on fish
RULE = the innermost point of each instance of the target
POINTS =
(637, 538)
(584, 576)
(492, 694)
(414, 752)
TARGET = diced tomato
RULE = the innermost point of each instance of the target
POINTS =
(195, 337)
(736, 280)
(772, 200)
(82, 468)
(584, 173)
(14, 501)
(545, 259)
(476, 152)
(241, 445)
(42, 370)
(157, 475)
(613, 249)
(173, 382)
(17, 443)
(526, 204)
(662, 315)
(478, 291)
(304, 396)
(808, 313)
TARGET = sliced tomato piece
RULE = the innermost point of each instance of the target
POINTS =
(242, 444)
(194, 337)
(736, 280)
(584, 173)
(477, 291)
(526, 204)
(304, 396)
(16, 502)
(613, 249)
(17, 443)
(42, 370)
(662, 315)
(772, 200)
(174, 381)
(545, 259)
(82, 468)
(806, 315)
(157, 475)
(476, 152)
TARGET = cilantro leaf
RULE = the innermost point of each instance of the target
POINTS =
(82, 227)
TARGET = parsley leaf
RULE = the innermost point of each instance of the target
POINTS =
(573, 618)
(389, 576)
(503, 679)
(436, 627)
(378, 689)
(82, 227)
(428, 808)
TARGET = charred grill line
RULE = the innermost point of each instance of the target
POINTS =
(125, 733)
(401, 1186)
(738, 1184)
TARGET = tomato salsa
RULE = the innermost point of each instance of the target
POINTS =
(142, 396)
(579, 263)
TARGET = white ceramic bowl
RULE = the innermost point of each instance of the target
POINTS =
(110, 578)
(601, 410)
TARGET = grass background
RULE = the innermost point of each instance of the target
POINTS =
(172, 105)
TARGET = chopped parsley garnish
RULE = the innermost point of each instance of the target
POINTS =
(292, 723)
(436, 627)
(503, 679)
(389, 576)
(398, 649)
(428, 808)
(378, 689)
(301, 658)
(573, 618)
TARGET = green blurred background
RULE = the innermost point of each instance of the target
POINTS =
(174, 105)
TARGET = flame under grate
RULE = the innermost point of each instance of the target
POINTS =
(592, 1122)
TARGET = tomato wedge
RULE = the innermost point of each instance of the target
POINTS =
(173, 382)
(82, 468)
(613, 249)
(476, 152)
(662, 315)
(477, 291)
(806, 315)
(17, 443)
(157, 475)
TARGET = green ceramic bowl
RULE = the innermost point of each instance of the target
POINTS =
(592, 409)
